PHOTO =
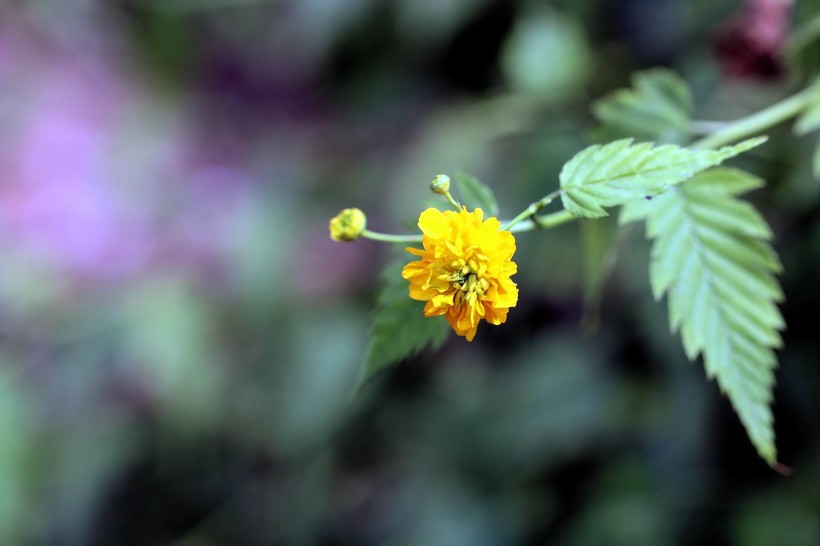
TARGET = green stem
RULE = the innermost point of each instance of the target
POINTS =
(390, 238)
(450, 199)
(532, 210)
(527, 224)
(759, 121)
(542, 222)
(704, 127)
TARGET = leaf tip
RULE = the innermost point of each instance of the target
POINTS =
(780, 468)
(752, 143)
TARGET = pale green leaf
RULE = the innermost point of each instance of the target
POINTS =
(619, 172)
(712, 259)
(400, 328)
(721, 180)
(657, 107)
(634, 211)
(475, 194)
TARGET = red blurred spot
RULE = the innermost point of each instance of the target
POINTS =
(749, 45)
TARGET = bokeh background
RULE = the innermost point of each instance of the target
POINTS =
(180, 341)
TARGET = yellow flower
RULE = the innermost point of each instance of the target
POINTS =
(348, 225)
(464, 270)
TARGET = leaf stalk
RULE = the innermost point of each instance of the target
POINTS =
(755, 123)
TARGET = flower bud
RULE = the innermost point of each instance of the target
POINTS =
(440, 184)
(348, 225)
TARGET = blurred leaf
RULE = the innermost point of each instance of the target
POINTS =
(808, 122)
(619, 172)
(455, 513)
(311, 383)
(17, 452)
(400, 328)
(439, 19)
(475, 194)
(544, 406)
(810, 119)
(257, 263)
(596, 241)
(168, 40)
(786, 514)
(458, 136)
(169, 336)
(803, 45)
(711, 258)
(657, 108)
(93, 453)
(815, 164)
(551, 408)
(26, 287)
(626, 519)
(625, 507)
(546, 55)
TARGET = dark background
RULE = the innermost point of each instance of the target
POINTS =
(180, 340)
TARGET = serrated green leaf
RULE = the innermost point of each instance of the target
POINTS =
(400, 328)
(619, 172)
(634, 211)
(657, 107)
(712, 259)
(475, 194)
(720, 180)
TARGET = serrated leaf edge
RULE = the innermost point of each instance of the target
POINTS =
(765, 360)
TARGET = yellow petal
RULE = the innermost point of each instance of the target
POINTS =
(433, 223)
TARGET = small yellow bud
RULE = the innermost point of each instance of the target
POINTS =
(440, 184)
(348, 225)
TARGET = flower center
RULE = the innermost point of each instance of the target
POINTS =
(470, 286)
